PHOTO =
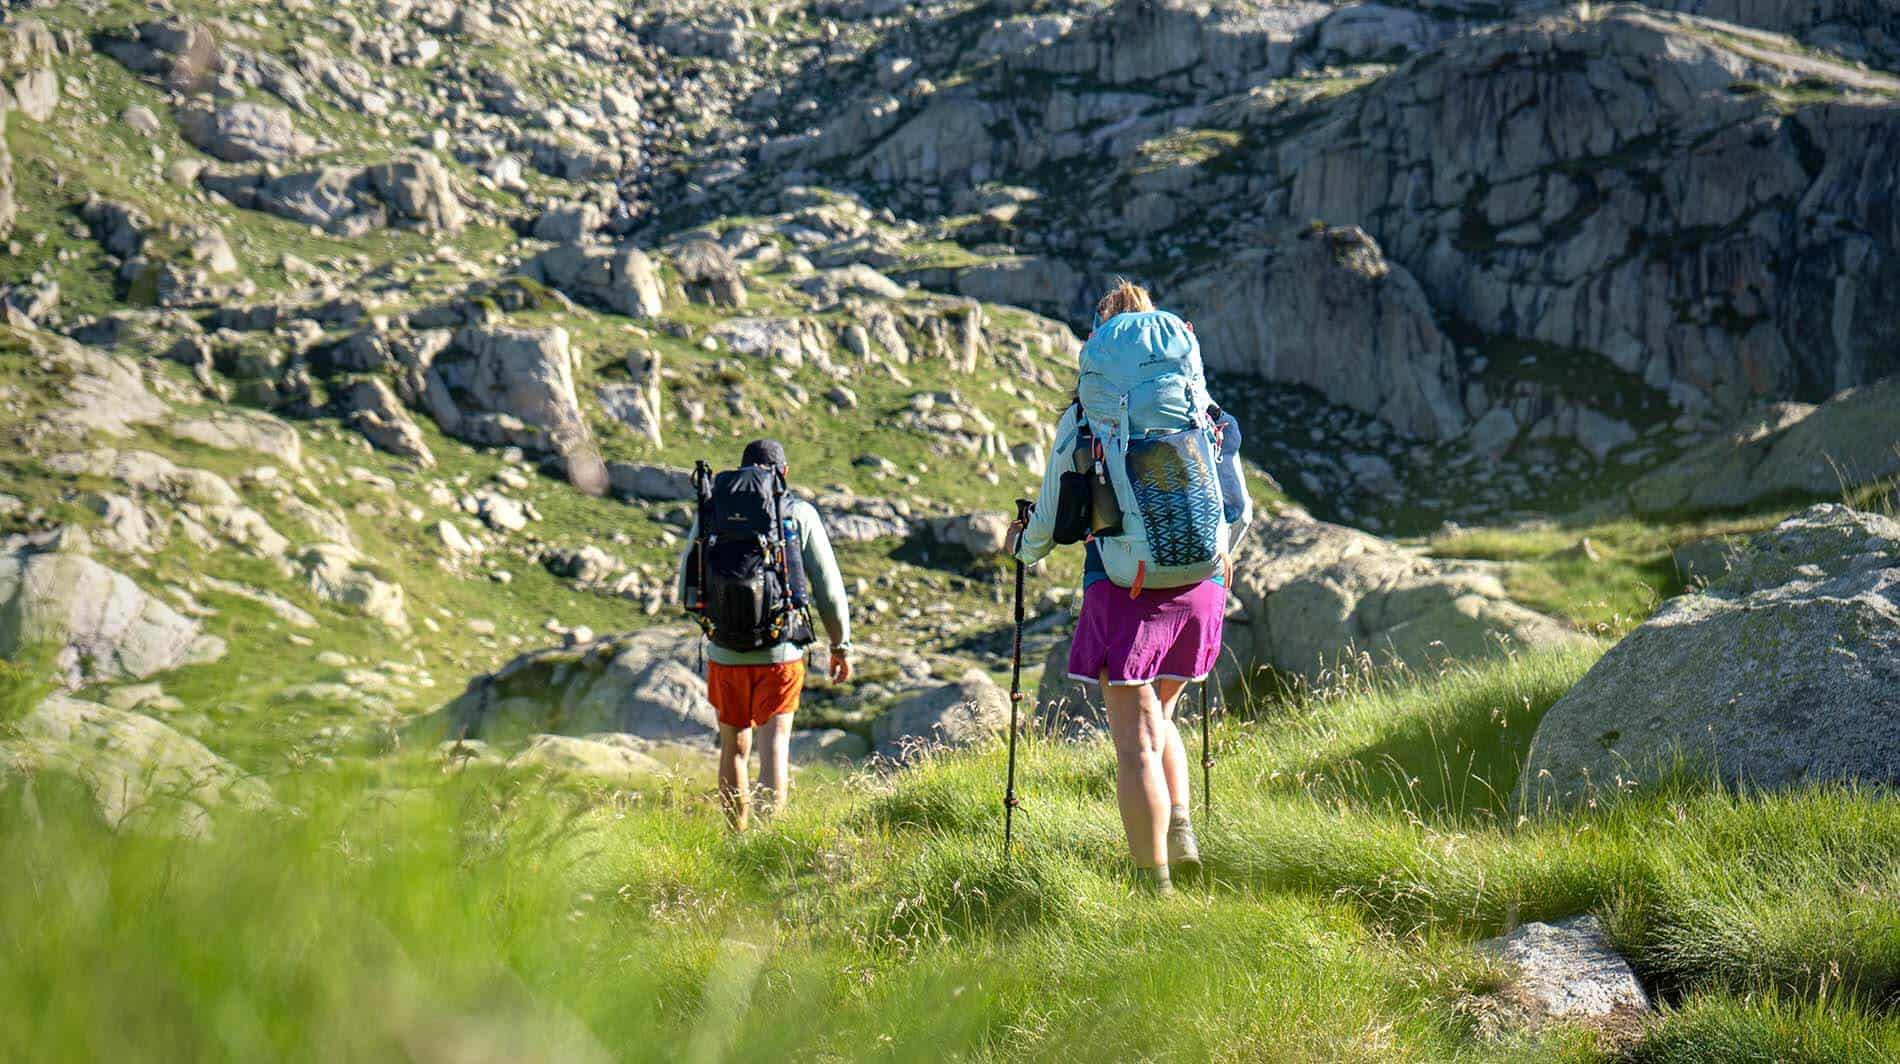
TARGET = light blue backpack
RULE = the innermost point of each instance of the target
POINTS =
(1144, 395)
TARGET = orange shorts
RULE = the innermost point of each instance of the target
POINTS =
(746, 696)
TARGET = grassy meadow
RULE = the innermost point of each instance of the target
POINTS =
(1362, 840)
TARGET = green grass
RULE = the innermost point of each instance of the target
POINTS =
(401, 911)
(1633, 572)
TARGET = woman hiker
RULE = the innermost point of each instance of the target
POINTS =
(1153, 446)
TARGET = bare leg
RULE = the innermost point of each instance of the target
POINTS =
(735, 745)
(1174, 762)
(775, 760)
(1141, 787)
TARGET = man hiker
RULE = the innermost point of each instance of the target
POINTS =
(756, 559)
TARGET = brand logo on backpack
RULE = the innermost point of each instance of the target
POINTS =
(745, 576)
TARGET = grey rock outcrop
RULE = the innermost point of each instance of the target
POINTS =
(710, 274)
(1503, 232)
(979, 534)
(143, 775)
(1327, 310)
(1784, 672)
(1849, 441)
(828, 746)
(1707, 218)
(1313, 593)
(168, 263)
(29, 85)
(412, 189)
(567, 223)
(652, 483)
(505, 386)
(244, 132)
(372, 409)
(242, 430)
(102, 394)
(184, 55)
(602, 758)
(337, 574)
(417, 187)
(99, 625)
(1065, 705)
(970, 710)
(643, 684)
(1046, 284)
(621, 279)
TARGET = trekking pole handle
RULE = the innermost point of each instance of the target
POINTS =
(1023, 509)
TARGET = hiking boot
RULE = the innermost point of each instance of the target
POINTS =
(1155, 881)
(1184, 853)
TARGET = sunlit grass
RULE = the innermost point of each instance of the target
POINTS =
(391, 909)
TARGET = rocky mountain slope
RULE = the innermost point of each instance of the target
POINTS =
(374, 343)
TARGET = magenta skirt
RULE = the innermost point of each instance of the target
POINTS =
(1161, 634)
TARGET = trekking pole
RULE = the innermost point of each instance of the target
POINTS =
(1207, 757)
(1023, 510)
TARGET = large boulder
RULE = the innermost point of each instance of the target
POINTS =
(1786, 449)
(504, 386)
(605, 758)
(1785, 671)
(412, 189)
(650, 483)
(710, 274)
(567, 223)
(418, 189)
(1313, 594)
(184, 54)
(244, 132)
(980, 534)
(1327, 310)
(142, 774)
(242, 430)
(968, 711)
(101, 393)
(1064, 704)
(621, 279)
(644, 684)
(336, 574)
(828, 746)
(371, 408)
(98, 624)
(28, 84)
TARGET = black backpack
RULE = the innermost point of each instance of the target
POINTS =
(745, 576)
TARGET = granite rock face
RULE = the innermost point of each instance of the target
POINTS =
(644, 684)
(1785, 671)
(143, 774)
(969, 710)
(99, 624)
(1311, 594)
(1851, 440)
(1327, 310)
